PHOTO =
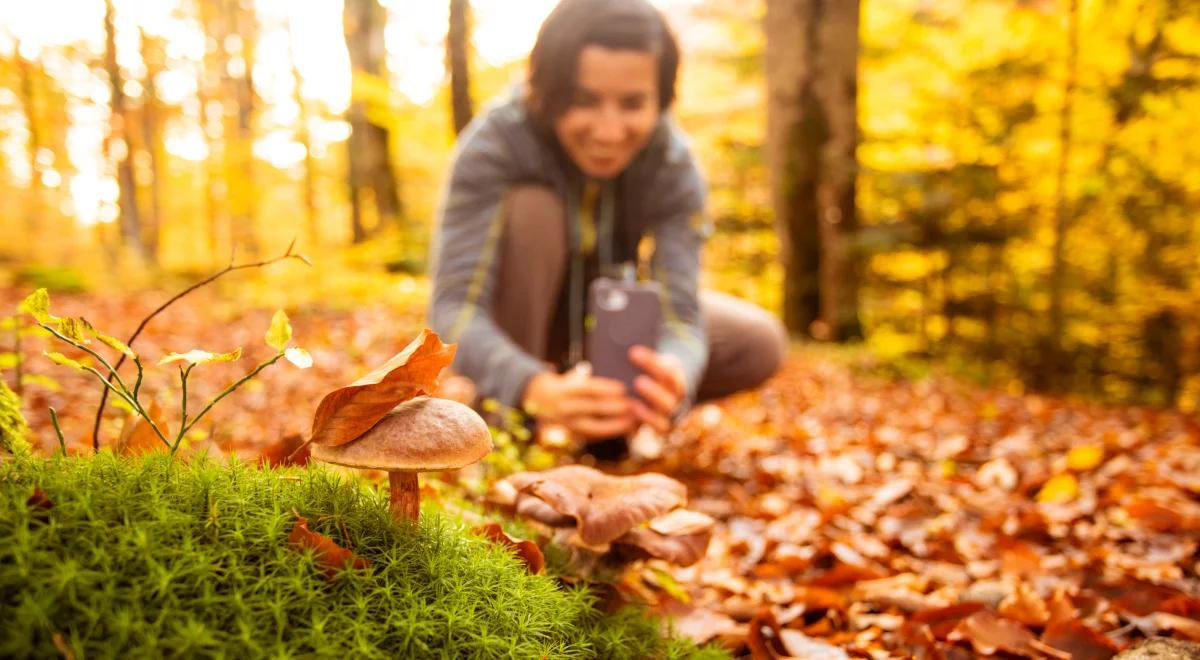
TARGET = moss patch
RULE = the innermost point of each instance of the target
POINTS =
(13, 429)
(149, 557)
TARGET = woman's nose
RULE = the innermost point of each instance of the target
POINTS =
(609, 126)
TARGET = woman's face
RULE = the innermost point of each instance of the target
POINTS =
(613, 110)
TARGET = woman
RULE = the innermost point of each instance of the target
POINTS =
(580, 170)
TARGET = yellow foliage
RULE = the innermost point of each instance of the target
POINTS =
(1059, 489)
(1084, 458)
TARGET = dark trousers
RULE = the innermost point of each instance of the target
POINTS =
(746, 344)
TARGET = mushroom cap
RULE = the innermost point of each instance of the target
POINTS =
(603, 506)
(423, 434)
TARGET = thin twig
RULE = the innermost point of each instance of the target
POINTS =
(224, 393)
(62, 442)
(142, 326)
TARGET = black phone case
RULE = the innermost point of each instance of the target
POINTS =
(620, 315)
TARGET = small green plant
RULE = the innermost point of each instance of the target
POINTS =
(78, 333)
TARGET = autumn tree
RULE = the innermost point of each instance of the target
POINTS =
(372, 176)
(118, 142)
(812, 134)
(458, 40)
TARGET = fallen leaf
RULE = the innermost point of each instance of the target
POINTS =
(799, 645)
(328, 554)
(138, 437)
(1084, 458)
(526, 550)
(347, 412)
(764, 640)
(943, 620)
(701, 624)
(288, 450)
(1080, 641)
(988, 634)
(1059, 489)
(1152, 515)
(39, 504)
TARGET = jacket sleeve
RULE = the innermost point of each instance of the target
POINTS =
(678, 236)
(465, 266)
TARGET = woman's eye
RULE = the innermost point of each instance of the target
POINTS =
(633, 103)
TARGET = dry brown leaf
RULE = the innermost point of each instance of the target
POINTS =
(1081, 642)
(39, 504)
(138, 437)
(288, 450)
(331, 556)
(765, 639)
(1025, 606)
(701, 624)
(1155, 516)
(526, 550)
(988, 634)
(347, 412)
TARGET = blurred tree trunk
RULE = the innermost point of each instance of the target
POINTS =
(154, 56)
(812, 133)
(372, 175)
(241, 177)
(29, 103)
(1055, 352)
(208, 92)
(458, 43)
(118, 144)
(305, 138)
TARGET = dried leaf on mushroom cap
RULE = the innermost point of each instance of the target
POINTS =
(348, 412)
(603, 506)
(420, 435)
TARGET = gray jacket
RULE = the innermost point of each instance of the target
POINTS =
(660, 195)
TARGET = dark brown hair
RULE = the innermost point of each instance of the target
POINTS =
(615, 24)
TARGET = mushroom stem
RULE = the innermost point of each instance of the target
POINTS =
(405, 495)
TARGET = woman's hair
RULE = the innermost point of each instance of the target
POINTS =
(614, 24)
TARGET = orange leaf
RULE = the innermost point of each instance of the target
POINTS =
(766, 639)
(989, 633)
(139, 438)
(331, 556)
(528, 551)
(288, 450)
(348, 412)
(1081, 642)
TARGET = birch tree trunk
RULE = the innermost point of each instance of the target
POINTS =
(812, 133)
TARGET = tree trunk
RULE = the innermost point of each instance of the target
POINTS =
(118, 144)
(153, 55)
(372, 176)
(458, 40)
(241, 189)
(1055, 352)
(812, 58)
(310, 164)
(35, 209)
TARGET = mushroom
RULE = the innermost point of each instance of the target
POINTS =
(680, 537)
(423, 434)
(603, 506)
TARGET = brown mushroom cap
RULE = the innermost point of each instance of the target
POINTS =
(603, 506)
(423, 434)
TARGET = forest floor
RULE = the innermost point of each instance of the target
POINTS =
(858, 514)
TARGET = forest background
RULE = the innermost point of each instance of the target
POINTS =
(1008, 187)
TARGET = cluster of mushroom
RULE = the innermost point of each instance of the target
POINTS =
(636, 516)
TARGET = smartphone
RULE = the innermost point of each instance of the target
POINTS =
(621, 314)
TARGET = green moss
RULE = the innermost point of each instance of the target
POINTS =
(149, 557)
(14, 432)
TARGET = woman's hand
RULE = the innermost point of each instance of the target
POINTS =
(588, 406)
(662, 387)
